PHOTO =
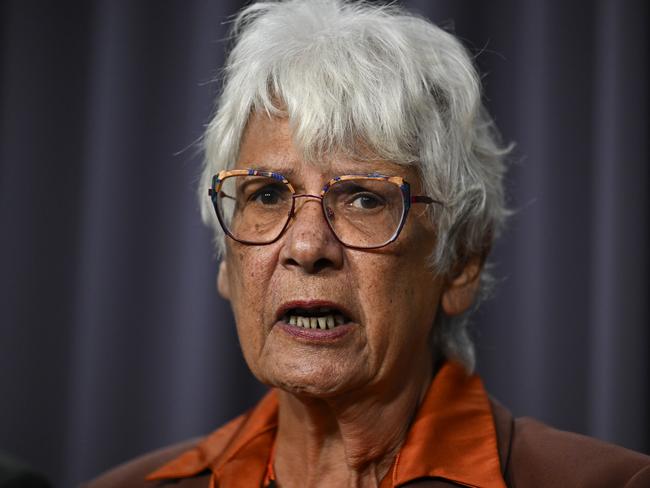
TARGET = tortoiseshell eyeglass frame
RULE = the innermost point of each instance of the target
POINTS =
(405, 188)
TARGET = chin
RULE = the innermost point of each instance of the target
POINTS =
(311, 382)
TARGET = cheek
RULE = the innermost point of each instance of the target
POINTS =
(249, 276)
(383, 292)
(399, 296)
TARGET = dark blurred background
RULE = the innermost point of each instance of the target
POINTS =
(112, 338)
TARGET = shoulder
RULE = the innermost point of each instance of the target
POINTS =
(134, 473)
(540, 455)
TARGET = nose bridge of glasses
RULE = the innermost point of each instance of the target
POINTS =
(308, 197)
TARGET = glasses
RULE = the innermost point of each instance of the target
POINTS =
(363, 211)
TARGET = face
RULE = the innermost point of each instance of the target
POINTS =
(387, 298)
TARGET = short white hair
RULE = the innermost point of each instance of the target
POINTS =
(344, 72)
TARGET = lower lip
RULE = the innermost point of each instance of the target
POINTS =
(322, 336)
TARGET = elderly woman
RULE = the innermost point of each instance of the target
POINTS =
(354, 181)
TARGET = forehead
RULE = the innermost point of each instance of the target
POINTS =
(267, 143)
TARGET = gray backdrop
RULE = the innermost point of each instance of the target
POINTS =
(113, 341)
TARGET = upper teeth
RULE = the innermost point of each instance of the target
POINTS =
(321, 322)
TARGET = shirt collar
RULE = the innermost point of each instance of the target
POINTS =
(453, 434)
(452, 437)
(240, 449)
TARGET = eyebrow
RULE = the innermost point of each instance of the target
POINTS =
(289, 171)
(284, 170)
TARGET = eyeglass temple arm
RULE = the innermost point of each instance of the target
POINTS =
(424, 199)
(223, 194)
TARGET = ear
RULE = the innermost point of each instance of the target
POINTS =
(461, 290)
(223, 285)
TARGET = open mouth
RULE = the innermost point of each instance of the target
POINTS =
(323, 318)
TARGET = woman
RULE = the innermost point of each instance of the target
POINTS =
(354, 182)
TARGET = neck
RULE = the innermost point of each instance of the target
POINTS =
(349, 440)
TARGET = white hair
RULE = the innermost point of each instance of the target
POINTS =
(344, 72)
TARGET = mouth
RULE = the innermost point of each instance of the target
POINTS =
(313, 315)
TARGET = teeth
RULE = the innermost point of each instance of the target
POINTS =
(325, 322)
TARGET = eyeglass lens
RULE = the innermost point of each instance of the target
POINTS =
(361, 212)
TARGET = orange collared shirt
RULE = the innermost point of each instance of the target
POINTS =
(452, 437)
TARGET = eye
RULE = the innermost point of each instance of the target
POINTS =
(267, 196)
(366, 201)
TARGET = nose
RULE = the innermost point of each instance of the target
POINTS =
(309, 244)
